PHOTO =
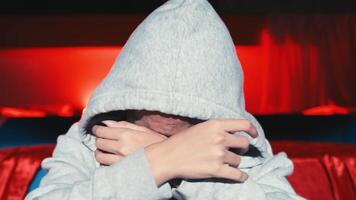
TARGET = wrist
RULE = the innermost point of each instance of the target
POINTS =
(160, 162)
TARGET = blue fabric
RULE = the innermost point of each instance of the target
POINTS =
(36, 181)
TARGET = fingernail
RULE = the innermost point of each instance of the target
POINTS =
(245, 177)
(108, 122)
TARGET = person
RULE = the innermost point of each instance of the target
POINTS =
(171, 107)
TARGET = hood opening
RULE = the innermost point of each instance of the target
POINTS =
(117, 115)
(123, 115)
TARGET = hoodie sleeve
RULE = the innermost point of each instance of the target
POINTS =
(267, 181)
(73, 173)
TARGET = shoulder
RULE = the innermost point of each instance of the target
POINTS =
(70, 147)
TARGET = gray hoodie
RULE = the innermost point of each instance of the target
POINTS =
(180, 60)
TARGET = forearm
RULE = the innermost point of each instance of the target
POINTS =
(266, 182)
(127, 179)
(73, 174)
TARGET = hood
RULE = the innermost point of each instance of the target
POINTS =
(179, 60)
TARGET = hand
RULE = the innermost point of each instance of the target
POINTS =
(120, 139)
(201, 151)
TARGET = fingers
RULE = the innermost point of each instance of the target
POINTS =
(125, 124)
(237, 141)
(107, 145)
(231, 173)
(106, 158)
(233, 125)
(108, 132)
(231, 158)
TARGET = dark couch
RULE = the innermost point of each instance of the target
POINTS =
(325, 171)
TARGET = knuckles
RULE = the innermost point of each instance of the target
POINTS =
(219, 139)
(121, 150)
(219, 154)
(215, 124)
(215, 167)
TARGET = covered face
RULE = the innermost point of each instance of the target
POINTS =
(162, 123)
(180, 61)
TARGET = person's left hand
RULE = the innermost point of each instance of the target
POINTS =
(121, 138)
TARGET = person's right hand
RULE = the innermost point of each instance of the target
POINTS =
(201, 151)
